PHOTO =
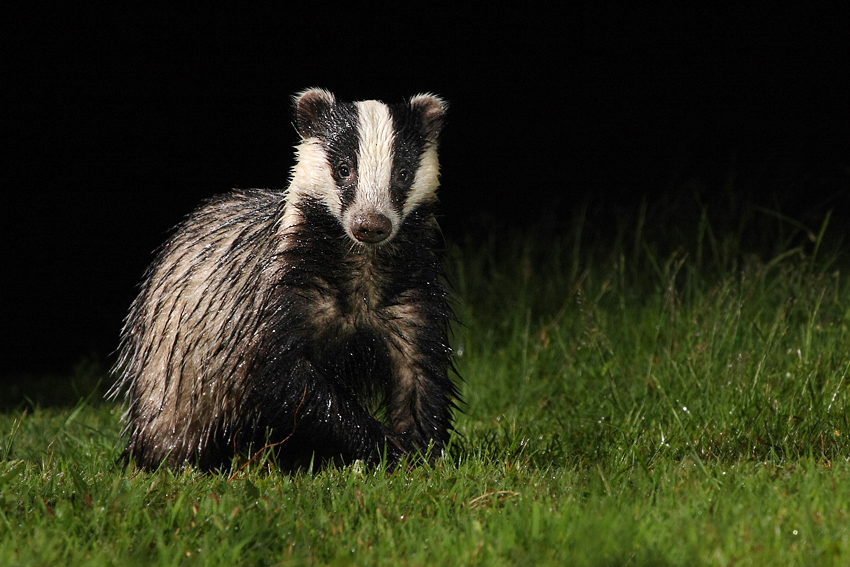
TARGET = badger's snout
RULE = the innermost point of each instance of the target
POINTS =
(371, 227)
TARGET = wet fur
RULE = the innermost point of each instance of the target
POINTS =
(262, 321)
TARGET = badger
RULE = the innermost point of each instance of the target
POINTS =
(312, 320)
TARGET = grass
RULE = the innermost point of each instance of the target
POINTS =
(667, 393)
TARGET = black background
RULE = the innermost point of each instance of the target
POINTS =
(116, 124)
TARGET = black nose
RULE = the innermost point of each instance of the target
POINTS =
(371, 227)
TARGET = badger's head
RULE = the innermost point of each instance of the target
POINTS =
(370, 163)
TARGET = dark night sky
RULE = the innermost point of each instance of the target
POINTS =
(115, 125)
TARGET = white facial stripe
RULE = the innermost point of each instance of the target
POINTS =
(312, 177)
(375, 160)
(426, 181)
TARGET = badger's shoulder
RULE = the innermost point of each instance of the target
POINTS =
(192, 296)
(220, 228)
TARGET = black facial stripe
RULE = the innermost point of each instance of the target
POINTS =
(341, 140)
(409, 144)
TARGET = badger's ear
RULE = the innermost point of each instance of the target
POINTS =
(309, 107)
(432, 110)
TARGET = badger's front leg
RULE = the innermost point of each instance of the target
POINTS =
(319, 418)
(421, 402)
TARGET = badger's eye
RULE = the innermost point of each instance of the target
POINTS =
(343, 171)
(403, 175)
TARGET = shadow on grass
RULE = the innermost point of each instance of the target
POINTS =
(89, 380)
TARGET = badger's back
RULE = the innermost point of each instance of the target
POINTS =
(191, 337)
(313, 319)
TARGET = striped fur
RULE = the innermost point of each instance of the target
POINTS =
(314, 318)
